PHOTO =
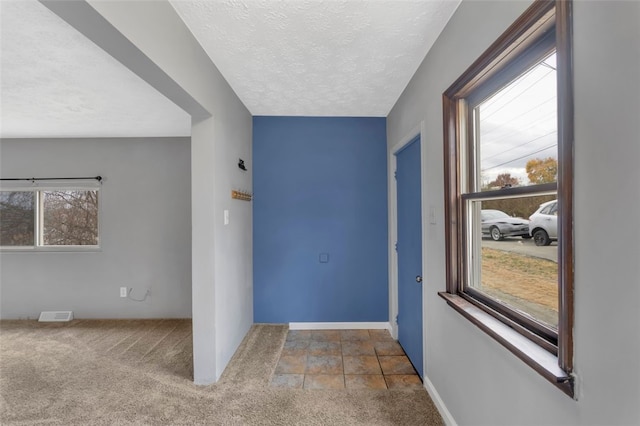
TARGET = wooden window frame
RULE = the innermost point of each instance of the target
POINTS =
(550, 354)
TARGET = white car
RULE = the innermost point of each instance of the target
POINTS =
(543, 224)
(498, 225)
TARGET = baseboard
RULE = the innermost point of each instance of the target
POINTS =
(435, 397)
(339, 326)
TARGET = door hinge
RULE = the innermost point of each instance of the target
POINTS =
(395, 246)
(395, 175)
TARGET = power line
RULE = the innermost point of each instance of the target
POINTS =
(520, 158)
(519, 94)
(495, 98)
(520, 79)
(553, 98)
(522, 144)
(517, 131)
(544, 64)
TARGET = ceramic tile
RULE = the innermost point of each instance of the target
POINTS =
(295, 347)
(362, 381)
(291, 364)
(324, 364)
(396, 365)
(354, 335)
(361, 365)
(325, 335)
(388, 347)
(335, 359)
(325, 348)
(402, 381)
(324, 381)
(353, 348)
(298, 335)
(287, 381)
(380, 335)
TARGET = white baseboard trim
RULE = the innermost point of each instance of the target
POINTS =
(340, 326)
(435, 397)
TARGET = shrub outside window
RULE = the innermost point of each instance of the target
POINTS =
(39, 218)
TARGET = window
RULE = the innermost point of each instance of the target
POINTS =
(38, 218)
(551, 209)
(508, 176)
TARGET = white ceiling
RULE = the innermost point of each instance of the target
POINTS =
(317, 57)
(290, 57)
(56, 83)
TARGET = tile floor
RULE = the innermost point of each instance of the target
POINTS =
(338, 359)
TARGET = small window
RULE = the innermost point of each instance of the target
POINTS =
(508, 145)
(17, 218)
(551, 209)
(49, 218)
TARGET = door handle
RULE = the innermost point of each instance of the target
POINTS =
(418, 279)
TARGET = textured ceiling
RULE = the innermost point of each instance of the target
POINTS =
(317, 57)
(282, 57)
(57, 83)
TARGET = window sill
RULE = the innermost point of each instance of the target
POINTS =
(52, 249)
(542, 361)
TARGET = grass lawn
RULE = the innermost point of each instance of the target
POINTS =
(526, 283)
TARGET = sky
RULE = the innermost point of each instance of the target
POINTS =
(519, 123)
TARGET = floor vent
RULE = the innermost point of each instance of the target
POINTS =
(55, 316)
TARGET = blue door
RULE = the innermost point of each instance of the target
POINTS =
(409, 250)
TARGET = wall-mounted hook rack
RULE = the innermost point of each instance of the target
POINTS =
(241, 195)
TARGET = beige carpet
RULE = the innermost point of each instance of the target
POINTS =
(92, 372)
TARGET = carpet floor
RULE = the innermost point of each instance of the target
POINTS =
(121, 372)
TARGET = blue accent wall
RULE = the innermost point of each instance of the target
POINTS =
(320, 219)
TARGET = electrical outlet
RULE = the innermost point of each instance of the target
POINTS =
(123, 292)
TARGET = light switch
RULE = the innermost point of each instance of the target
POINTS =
(324, 258)
(226, 217)
(432, 215)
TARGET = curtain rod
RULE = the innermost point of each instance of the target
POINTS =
(98, 178)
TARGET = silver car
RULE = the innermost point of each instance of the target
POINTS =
(498, 225)
(543, 224)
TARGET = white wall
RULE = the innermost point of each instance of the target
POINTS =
(478, 380)
(151, 39)
(145, 230)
